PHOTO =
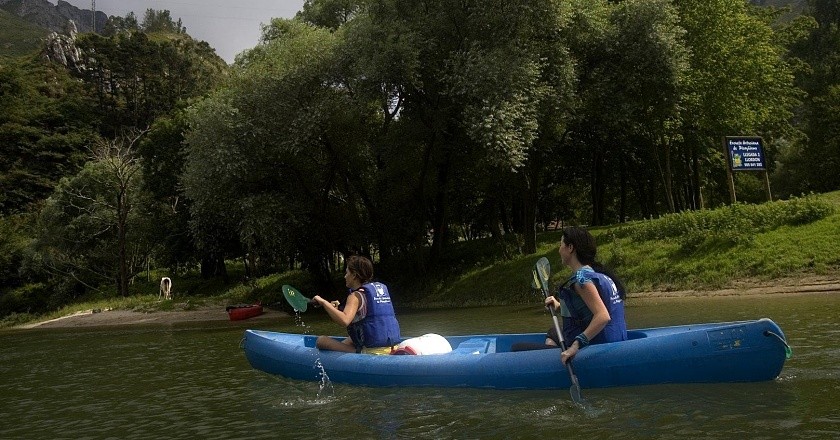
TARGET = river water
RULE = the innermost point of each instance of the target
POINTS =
(192, 381)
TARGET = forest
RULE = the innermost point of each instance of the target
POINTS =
(395, 129)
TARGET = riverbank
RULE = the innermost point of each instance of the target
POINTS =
(107, 318)
(810, 284)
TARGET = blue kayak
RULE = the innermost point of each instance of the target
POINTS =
(744, 351)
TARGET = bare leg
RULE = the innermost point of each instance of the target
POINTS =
(328, 343)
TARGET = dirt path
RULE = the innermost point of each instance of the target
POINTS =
(810, 284)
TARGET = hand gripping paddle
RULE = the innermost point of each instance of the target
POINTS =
(541, 273)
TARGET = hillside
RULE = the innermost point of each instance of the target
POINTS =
(17, 36)
(795, 5)
(53, 17)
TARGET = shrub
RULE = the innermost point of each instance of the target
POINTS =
(31, 298)
(730, 225)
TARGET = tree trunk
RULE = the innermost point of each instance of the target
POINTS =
(622, 203)
(208, 266)
(221, 269)
(122, 220)
(440, 222)
(597, 188)
(698, 193)
(529, 232)
(665, 172)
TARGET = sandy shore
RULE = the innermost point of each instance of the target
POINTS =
(99, 318)
(92, 318)
(790, 286)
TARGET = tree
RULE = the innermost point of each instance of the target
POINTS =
(161, 21)
(330, 14)
(813, 163)
(95, 228)
(116, 25)
(269, 163)
(163, 163)
(738, 83)
(467, 84)
(137, 76)
(635, 113)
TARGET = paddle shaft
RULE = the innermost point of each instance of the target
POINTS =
(569, 367)
(575, 388)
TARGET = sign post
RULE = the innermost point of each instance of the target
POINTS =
(745, 153)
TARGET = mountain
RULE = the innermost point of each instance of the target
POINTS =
(54, 17)
(19, 37)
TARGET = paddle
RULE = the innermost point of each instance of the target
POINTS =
(299, 302)
(296, 299)
(541, 272)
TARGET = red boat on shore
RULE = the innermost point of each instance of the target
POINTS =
(238, 312)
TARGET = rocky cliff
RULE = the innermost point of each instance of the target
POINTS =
(54, 17)
(61, 48)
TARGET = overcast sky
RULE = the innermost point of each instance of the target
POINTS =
(230, 26)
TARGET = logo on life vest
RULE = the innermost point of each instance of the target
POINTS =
(381, 296)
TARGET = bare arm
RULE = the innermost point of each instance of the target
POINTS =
(345, 317)
(600, 317)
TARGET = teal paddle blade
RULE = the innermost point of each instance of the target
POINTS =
(295, 298)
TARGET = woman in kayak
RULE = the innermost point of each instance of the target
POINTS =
(591, 301)
(368, 312)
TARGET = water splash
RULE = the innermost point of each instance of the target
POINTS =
(299, 323)
(325, 386)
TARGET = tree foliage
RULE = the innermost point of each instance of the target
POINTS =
(161, 21)
(482, 119)
(815, 165)
(137, 77)
(45, 121)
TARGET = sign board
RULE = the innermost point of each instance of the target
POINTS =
(746, 153)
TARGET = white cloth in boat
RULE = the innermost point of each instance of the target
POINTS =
(429, 343)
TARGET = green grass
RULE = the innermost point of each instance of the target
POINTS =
(18, 37)
(766, 245)
(772, 240)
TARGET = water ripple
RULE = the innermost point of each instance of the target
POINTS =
(149, 383)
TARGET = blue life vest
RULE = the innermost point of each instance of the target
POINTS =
(577, 316)
(379, 328)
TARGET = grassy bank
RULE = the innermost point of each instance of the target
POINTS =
(701, 250)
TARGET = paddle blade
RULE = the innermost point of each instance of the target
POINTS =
(543, 270)
(295, 298)
(574, 390)
(535, 282)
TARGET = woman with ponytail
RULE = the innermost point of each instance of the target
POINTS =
(591, 301)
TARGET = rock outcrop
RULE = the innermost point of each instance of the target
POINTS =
(61, 48)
